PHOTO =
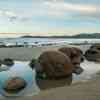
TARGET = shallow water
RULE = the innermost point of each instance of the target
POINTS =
(90, 71)
(39, 41)
(20, 69)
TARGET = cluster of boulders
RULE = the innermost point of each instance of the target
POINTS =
(52, 67)
(61, 63)
(55, 65)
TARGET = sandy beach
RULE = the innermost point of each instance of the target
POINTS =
(26, 54)
(82, 90)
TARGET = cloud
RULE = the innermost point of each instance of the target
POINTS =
(13, 16)
(7, 13)
(71, 7)
(62, 9)
(66, 9)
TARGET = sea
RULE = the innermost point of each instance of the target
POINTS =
(41, 41)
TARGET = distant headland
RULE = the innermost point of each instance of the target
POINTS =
(81, 35)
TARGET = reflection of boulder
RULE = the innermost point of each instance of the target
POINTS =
(93, 54)
(45, 84)
(14, 85)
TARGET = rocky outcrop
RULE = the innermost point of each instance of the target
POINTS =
(93, 53)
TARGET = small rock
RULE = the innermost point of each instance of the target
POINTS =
(14, 85)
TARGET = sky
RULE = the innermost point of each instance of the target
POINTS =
(49, 17)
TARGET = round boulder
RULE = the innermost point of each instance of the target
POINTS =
(14, 85)
(55, 64)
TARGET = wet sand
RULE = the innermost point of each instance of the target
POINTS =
(81, 91)
(24, 53)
